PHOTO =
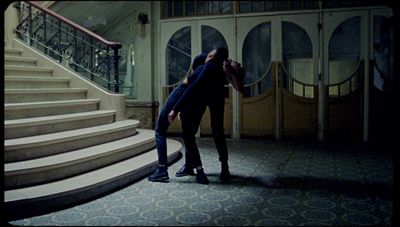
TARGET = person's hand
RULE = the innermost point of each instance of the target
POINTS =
(171, 116)
(226, 63)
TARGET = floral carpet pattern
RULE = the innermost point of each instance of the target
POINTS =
(275, 183)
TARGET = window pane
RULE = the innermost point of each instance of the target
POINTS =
(297, 89)
(189, 8)
(270, 5)
(178, 8)
(282, 5)
(310, 4)
(345, 88)
(211, 39)
(213, 7)
(257, 54)
(296, 4)
(226, 7)
(201, 8)
(344, 50)
(383, 51)
(178, 57)
(167, 9)
(309, 92)
(333, 91)
(244, 6)
(330, 4)
(258, 6)
(297, 52)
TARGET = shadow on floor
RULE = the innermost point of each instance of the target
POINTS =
(308, 183)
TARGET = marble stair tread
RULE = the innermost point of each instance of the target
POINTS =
(55, 118)
(19, 58)
(44, 90)
(90, 179)
(12, 50)
(69, 135)
(28, 68)
(36, 78)
(29, 105)
(142, 137)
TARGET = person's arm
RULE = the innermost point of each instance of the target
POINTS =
(203, 74)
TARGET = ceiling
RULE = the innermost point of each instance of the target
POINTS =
(96, 15)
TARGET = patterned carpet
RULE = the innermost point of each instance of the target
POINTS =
(274, 183)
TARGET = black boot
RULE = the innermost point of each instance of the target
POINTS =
(184, 171)
(160, 175)
(225, 174)
(201, 177)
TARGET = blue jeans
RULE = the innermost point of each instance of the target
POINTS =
(162, 123)
(190, 119)
(217, 108)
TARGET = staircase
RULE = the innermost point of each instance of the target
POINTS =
(61, 148)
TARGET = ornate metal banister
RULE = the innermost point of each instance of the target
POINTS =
(87, 53)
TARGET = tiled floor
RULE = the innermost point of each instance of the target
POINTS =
(274, 183)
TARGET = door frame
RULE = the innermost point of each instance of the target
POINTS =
(224, 25)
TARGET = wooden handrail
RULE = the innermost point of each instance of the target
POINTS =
(114, 45)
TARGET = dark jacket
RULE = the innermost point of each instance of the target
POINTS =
(207, 86)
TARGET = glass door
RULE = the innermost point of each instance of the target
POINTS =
(256, 51)
(344, 59)
(297, 96)
(214, 33)
(381, 76)
(176, 55)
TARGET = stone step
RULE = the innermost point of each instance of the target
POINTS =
(21, 82)
(60, 166)
(42, 95)
(40, 199)
(12, 51)
(40, 109)
(20, 61)
(50, 124)
(26, 148)
(15, 70)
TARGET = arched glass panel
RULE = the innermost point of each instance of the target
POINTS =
(257, 59)
(383, 53)
(344, 57)
(211, 38)
(178, 57)
(297, 60)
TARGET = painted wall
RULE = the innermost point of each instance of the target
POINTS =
(131, 31)
(10, 22)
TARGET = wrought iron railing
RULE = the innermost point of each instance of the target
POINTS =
(71, 44)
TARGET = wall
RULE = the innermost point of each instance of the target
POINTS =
(145, 112)
(143, 55)
(10, 22)
(144, 105)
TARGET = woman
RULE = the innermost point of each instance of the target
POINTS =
(162, 124)
(207, 90)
